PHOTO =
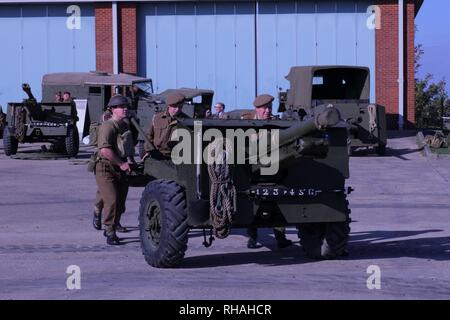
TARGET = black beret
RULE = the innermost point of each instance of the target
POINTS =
(262, 100)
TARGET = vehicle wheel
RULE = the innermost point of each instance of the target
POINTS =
(163, 224)
(141, 149)
(72, 141)
(381, 149)
(325, 240)
(10, 143)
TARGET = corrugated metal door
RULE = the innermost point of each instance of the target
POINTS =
(200, 45)
(300, 33)
(212, 45)
(36, 40)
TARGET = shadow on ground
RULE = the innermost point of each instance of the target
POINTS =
(362, 246)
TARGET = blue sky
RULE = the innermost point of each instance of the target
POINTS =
(433, 23)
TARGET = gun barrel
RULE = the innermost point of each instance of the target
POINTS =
(327, 118)
(139, 129)
(27, 89)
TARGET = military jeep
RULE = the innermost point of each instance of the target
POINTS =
(345, 87)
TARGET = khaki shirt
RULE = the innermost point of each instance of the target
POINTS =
(160, 132)
(251, 115)
(108, 134)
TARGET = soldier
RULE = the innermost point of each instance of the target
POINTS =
(58, 97)
(163, 124)
(263, 111)
(98, 206)
(110, 170)
(67, 97)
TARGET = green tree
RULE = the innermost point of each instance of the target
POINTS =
(431, 97)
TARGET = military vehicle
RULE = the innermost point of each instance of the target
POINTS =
(97, 88)
(307, 191)
(31, 121)
(345, 87)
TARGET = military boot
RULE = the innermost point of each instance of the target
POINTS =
(120, 228)
(111, 238)
(283, 243)
(97, 221)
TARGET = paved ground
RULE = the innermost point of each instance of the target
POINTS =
(401, 213)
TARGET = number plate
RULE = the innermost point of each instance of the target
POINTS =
(284, 192)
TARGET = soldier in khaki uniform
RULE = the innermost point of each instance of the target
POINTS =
(98, 205)
(263, 111)
(112, 166)
(163, 124)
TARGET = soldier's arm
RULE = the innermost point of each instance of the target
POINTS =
(107, 139)
(109, 154)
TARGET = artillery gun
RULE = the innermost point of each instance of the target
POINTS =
(304, 186)
(30, 122)
(345, 87)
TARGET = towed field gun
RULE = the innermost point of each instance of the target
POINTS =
(30, 122)
(302, 184)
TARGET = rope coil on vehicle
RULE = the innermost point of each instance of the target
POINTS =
(222, 196)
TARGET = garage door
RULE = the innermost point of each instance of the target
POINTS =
(36, 40)
(200, 45)
(240, 49)
(302, 33)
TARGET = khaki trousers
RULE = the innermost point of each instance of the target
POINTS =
(113, 189)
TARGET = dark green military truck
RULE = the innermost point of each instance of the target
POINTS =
(348, 89)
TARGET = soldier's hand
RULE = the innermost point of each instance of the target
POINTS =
(125, 167)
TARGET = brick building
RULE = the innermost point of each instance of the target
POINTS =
(237, 48)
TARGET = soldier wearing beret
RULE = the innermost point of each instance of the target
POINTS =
(112, 166)
(163, 124)
(263, 111)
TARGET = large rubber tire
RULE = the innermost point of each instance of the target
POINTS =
(72, 141)
(163, 224)
(325, 240)
(10, 143)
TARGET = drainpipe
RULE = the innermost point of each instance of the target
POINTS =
(115, 38)
(401, 64)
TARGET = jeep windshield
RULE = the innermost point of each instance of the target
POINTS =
(146, 86)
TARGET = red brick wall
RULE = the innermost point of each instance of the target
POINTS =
(127, 38)
(103, 37)
(386, 62)
(127, 22)
(410, 118)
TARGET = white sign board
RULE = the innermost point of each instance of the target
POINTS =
(81, 105)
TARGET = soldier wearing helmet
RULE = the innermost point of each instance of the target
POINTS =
(115, 145)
